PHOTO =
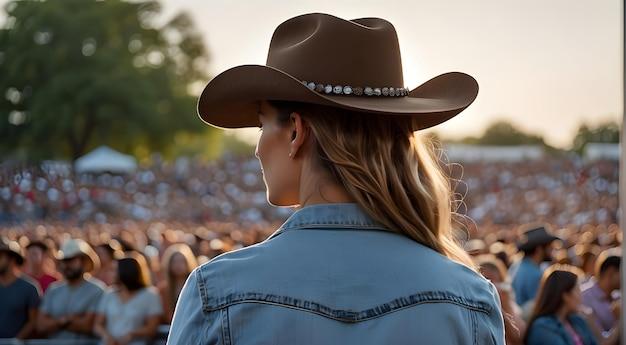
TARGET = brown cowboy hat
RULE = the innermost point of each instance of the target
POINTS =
(535, 236)
(321, 59)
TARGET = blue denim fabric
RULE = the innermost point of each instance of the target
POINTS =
(549, 330)
(331, 275)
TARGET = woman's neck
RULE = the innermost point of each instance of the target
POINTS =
(127, 294)
(321, 188)
(562, 314)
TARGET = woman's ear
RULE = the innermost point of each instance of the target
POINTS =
(299, 134)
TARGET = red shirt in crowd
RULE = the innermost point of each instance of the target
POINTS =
(44, 281)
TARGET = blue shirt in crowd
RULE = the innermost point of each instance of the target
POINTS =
(16, 300)
(549, 330)
(526, 281)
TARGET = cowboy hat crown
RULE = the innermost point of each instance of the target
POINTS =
(335, 50)
(534, 236)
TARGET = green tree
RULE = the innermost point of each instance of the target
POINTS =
(503, 133)
(607, 132)
(81, 73)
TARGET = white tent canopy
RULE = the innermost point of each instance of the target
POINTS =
(105, 159)
(479, 153)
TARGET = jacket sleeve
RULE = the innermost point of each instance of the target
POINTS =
(491, 326)
(191, 325)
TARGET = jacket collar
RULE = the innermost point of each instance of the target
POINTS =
(330, 216)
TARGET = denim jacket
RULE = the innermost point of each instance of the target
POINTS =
(332, 275)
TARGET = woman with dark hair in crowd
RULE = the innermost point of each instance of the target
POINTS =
(177, 263)
(108, 253)
(130, 314)
(555, 319)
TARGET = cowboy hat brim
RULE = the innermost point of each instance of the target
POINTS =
(230, 99)
(530, 245)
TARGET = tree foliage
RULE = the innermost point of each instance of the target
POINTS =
(503, 133)
(81, 73)
(608, 132)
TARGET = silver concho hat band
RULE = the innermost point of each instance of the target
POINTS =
(357, 91)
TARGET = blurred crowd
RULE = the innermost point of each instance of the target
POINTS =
(114, 283)
(226, 190)
(564, 191)
(496, 195)
(119, 283)
(104, 257)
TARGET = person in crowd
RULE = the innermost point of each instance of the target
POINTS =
(499, 250)
(493, 269)
(555, 319)
(177, 263)
(598, 293)
(475, 247)
(587, 254)
(36, 254)
(19, 295)
(536, 244)
(561, 256)
(108, 253)
(370, 255)
(129, 314)
(68, 308)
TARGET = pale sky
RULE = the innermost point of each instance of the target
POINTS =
(544, 65)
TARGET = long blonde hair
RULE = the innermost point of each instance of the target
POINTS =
(388, 169)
